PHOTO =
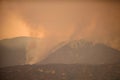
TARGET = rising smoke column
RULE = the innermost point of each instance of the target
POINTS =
(34, 47)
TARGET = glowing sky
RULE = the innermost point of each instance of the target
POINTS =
(55, 22)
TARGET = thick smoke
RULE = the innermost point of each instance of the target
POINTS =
(97, 22)
(85, 31)
(12, 25)
(43, 40)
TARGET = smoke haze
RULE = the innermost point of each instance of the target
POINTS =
(54, 22)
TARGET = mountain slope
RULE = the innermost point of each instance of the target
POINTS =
(13, 51)
(83, 52)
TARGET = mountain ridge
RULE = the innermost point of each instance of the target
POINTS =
(13, 51)
(83, 52)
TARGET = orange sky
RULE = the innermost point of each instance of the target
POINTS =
(13, 26)
(60, 21)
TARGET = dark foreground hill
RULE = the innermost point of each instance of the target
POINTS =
(61, 72)
(82, 52)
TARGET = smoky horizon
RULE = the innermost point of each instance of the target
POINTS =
(50, 23)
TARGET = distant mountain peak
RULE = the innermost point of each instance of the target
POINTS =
(73, 44)
(80, 43)
(82, 52)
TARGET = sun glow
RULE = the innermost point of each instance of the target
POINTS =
(38, 33)
(13, 26)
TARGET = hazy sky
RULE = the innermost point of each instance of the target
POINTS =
(53, 22)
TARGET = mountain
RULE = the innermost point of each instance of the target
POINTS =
(69, 61)
(13, 51)
(82, 52)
